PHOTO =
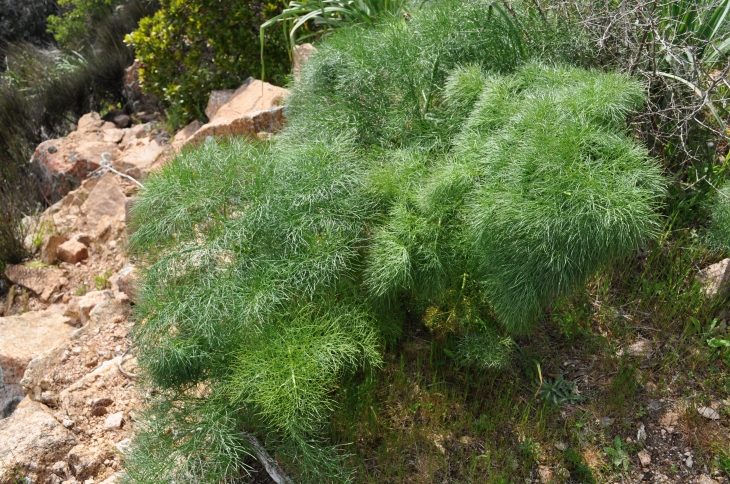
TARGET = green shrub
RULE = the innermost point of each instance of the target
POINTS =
(189, 48)
(718, 235)
(71, 27)
(429, 170)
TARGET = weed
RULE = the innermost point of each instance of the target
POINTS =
(81, 290)
(619, 457)
(559, 391)
(102, 281)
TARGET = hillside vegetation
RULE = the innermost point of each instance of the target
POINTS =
(440, 172)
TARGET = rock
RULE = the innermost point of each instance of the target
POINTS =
(126, 282)
(114, 421)
(182, 136)
(132, 90)
(561, 446)
(139, 159)
(689, 462)
(68, 423)
(669, 419)
(80, 307)
(74, 157)
(216, 100)
(714, 278)
(31, 441)
(60, 469)
(98, 406)
(605, 421)
(640, 349)
(123, 446)
(86, 461)
(705, 479)
(72, 251)
(255, 107)
(23, 338)
(302, 53)
(49, 398)
(644, 458)
(106, 199)
(83, 238)
(43, 281)
(641, 433)
(708, 413)
(49, 248)
(122, 121)
(36, 377)
(546, 474)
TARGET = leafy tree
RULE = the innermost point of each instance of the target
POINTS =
(430, 167)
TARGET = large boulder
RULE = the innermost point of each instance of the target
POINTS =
(106, 199)
(61, 164)
(31, 441)
(715, 278)
(43, 281)
(255, 107)
(23, 338)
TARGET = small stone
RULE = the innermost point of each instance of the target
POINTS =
(72, 252)
(68, 423)
(641, 434)
(561, 446)
(709, 413)
(689, 462)
(49, 398)
(114, 421)
(546, 474)
(705, 479)
(644, 458)
(123, 446)
(669, 419)
(605, 421)
(52, 149)
(60, 468)
(83, 238)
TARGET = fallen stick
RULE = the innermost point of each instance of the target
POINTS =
(269, 463)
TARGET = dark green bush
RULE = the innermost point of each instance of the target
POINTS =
(189, 48)
(25, 21)
(430, 168)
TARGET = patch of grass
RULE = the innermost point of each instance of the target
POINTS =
(102, 281)
(81, 290)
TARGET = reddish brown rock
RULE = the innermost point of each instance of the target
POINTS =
(43, 281)
(302, 53)
(106, 199)
(61, 164)
(182, 136)
(50, 247)
(216, 100)
(72, 252)
(254, 108)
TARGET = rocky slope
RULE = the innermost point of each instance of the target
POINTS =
(67, 365)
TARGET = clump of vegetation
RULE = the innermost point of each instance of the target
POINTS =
(25, 21)
(189, 48)
(431, 170)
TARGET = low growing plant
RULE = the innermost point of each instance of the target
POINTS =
(431, 170)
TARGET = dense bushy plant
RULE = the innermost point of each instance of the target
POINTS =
(189, 48)
(71, 27)
(430, 168)
(719, 232)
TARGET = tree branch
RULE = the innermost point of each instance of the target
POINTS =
(269, 463)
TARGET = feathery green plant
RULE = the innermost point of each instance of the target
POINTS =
(427, 169)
